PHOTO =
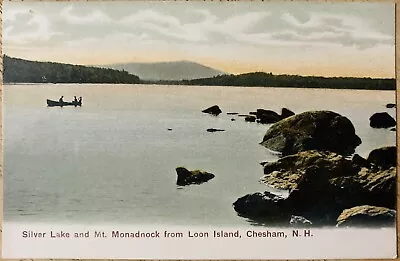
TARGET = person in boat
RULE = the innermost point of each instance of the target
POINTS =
(61, 100)
(75, 100)
(80, 101)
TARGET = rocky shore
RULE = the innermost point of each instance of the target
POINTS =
(327, 185)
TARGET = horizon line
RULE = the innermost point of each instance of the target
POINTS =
(223, 73)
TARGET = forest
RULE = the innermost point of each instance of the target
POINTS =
(261, 79)
(23, 71)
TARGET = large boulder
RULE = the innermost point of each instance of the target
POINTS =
(186, 177)
(381, 120)
(213, 110)
(369, 187)
(383, 158)
(319, 130)
(287, 172)
(363, 216)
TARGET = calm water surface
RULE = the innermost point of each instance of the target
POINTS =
(113, 159)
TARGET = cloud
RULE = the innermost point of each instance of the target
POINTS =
(11, 15)
(95, 16)
(36, 28)
(338, 28)
(198, 31)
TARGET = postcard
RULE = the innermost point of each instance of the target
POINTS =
(199, 130)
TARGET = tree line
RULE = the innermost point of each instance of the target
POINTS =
(23, 71)
(261, 79)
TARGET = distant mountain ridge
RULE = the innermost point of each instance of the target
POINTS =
(175, 71)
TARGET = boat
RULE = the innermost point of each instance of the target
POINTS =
(51, 103)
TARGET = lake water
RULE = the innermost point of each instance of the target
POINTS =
(113, 160)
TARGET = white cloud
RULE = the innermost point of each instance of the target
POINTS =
(11, 15)
(355, 28)
(39, 29)
(96, 16)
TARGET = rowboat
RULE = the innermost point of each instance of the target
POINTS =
(51, 103)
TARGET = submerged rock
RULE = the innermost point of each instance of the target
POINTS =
(186, 177)
(383, 158)
(381, 120)
(366, 216)
(213, 110)
(214, 130)
(250, 119)
(320, 130)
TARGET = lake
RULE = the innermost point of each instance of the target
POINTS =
(113, 160)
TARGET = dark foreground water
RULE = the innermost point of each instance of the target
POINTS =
(113, 159)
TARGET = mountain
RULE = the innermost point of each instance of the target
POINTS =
(17, 70)
(180, 70)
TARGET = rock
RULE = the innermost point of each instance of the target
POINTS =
(214, 130)
(233, 119)
(250, 119)
(169, 129)
(287, 172)
(322, 184)
(263, 163)
(186, 177)
(286, 113)
(261, 205)
(383, 158)
(213, 110)
(299, 221)
(381, 120)
(320, 130)
(232, 113)
(253, 113)
(243, 115)
(364, 216)
(390, 105)
(368, 186)
(360, 161)
(393, 129)
(267, 116)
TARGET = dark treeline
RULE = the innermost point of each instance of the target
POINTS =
(22, 71)
(260, 79)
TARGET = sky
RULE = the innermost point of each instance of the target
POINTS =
(326, 39)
